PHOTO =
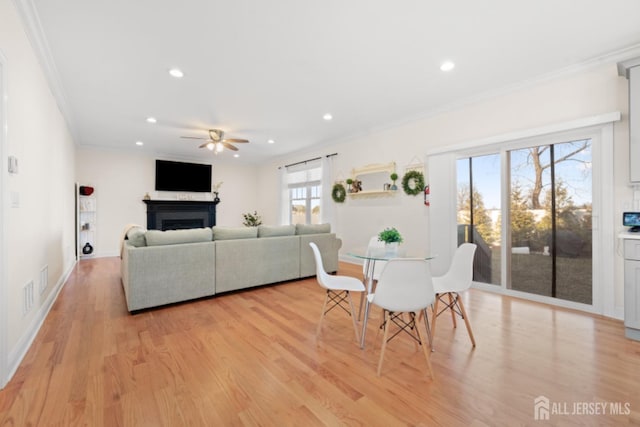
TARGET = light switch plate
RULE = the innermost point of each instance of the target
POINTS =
(13, 164)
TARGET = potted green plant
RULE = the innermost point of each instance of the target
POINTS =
(394, 177)
(349, 182)
(391, 238)
(252, 219)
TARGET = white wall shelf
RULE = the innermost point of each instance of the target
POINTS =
(87, 209)
(373, 178)
(373, 193)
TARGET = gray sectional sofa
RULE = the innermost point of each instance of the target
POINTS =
(164, 267)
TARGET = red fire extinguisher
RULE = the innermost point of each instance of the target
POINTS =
(426, 196)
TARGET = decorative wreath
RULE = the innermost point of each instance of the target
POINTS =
(413, 183)
(339, 193)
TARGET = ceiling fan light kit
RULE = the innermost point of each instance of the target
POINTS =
(216, 142)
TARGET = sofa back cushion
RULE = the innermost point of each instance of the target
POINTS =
(276, 230)
(230, 233)
(174, 237)
(313, 228)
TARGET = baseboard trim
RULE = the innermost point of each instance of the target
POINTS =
(24, 343)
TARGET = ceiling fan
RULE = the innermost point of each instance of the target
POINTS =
(216, 141)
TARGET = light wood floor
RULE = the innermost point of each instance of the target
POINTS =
(251, 358)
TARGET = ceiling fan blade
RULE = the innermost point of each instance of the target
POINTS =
(236, 140)
(204, 145)
(229, 146)
(193, 137)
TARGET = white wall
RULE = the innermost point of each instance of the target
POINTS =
(592, 91)
(122, 178)
(40, 231)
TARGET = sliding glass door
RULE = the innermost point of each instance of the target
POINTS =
(550, 220)
(548, 234)
(478, 202)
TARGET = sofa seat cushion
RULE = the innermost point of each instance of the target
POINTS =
(313, 228)
(276, 230)
(174, 237)
(232, 233)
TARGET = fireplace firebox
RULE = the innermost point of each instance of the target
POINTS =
(180, 214)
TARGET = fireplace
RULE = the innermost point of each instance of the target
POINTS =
(180, 223)
(178, 214)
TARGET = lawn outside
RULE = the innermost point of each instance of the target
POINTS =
(532, 273)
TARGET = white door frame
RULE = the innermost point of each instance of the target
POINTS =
(4, 356)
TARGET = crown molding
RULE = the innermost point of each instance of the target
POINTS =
(624, 66)
(610, 58)
(625, 55)
(36, 35)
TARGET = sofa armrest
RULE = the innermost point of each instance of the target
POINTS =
(329, 246)
(158, 275)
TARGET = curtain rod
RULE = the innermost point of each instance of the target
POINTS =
(308, 160)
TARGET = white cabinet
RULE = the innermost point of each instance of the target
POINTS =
(634, 124)
(632, 288)
(86, 225)
(631, 70)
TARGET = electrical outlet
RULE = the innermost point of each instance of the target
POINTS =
(15, 199)
(44, 279)
(28, 298)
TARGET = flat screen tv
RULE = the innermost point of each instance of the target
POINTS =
(181, 176)
(631, 219)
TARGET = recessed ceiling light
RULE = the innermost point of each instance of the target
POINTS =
(151, 120)
(271, 141)
(447, 66)
(176, 72)
(139, 143)
(236, 155)
(327, 117)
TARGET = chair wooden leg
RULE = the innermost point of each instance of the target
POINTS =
(466, 321)
(324, 307)
(353, 316)
(424, 314)
(453, 313)
(382, 324)
(384, 340)
(434, 316)
(424, 350)
(362, 297)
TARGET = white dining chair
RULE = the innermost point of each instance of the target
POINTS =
(338, 291)
(404, 286)
(454, 282)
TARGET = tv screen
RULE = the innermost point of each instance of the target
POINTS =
(631, 219)
(181, 176)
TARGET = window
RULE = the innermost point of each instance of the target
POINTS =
(305, 192)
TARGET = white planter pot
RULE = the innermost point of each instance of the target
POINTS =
(391, 248)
